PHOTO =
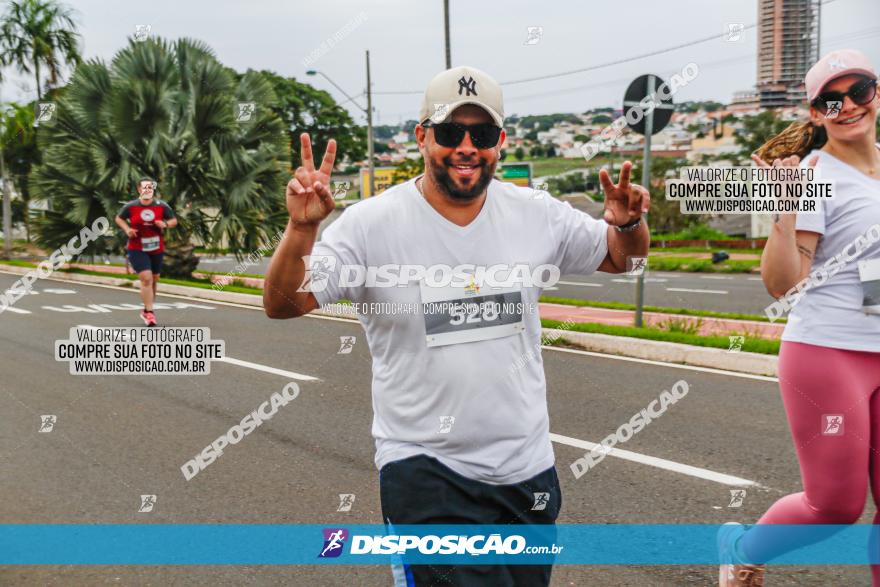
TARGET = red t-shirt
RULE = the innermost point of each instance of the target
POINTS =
(143, 219)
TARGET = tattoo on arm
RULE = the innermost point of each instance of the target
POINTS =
(805, 251)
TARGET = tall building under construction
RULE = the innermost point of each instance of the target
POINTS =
(788, 44)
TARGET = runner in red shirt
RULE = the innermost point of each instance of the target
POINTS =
(144, 221)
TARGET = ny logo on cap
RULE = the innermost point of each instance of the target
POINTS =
(836, 64)
(469, 84)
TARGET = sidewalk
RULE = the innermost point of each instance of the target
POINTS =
(561, 312)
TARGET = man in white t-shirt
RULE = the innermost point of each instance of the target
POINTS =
(455, 262)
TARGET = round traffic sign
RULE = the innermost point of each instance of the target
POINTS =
(637, 104)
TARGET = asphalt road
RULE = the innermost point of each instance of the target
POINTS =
(117, 437)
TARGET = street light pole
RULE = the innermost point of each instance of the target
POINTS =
(370, 130)
(368, 111)
(446, 25)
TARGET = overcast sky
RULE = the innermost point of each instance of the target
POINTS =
(405, 39)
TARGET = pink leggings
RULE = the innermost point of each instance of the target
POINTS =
(837, 456)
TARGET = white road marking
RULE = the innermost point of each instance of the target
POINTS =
(715, 277)
(267, 369)
(583, 283)
(635, 457)
(15, 310)
(711, 291)
(246, 364)
(754, 279)
(647, 280)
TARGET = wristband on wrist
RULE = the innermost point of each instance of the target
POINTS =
(629, 226)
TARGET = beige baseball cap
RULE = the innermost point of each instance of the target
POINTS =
(458, 86)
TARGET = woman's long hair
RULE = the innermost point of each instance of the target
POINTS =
(798, 139)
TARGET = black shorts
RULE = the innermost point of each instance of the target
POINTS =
(421, 490)
(141, 261)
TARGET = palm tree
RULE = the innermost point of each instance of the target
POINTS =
(172, 112)
(18, 145)
(37, 34)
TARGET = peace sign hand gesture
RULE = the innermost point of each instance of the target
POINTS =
(309, 199)
(624, 202)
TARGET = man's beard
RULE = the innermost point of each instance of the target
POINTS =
(442, 179)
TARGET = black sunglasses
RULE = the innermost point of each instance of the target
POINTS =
(451, 134)
(860, 92)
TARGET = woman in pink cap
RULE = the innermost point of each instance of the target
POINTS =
(829, 360)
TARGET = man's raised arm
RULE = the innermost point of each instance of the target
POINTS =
(309, 201)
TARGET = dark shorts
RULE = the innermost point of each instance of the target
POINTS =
(141, 261)
(421, 490)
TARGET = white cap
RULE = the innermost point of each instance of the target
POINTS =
(458, 86)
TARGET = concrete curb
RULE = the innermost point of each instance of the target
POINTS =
(653, 350)
(669, 352)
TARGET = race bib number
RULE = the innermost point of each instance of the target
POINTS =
(150, 243)
(455, 315)
(869, 275)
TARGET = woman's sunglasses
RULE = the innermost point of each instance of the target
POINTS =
(451, 134)
(860, 92)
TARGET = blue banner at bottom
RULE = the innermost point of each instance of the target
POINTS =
(566, 544)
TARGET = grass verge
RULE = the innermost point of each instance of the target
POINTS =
(694, 265)
(751, 345)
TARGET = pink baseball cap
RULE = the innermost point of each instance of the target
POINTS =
(834, 65)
